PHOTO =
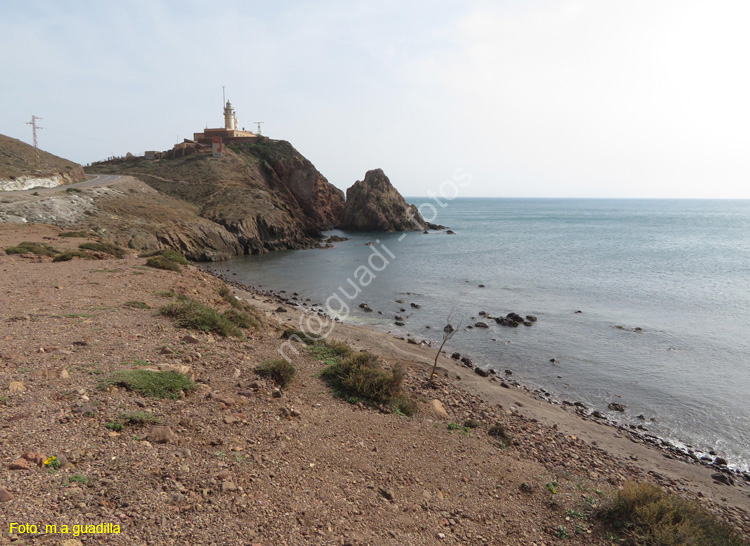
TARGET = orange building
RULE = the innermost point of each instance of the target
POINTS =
(229, 132)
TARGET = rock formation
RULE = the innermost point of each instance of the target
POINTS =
(265, 194)
(373, 204)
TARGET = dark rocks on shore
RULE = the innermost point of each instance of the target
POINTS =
(399, 317)
(615, 406)
(722, 478)
(456, 356)
(531, 318)
(450, 232)
(337, 239)
(415, 305)
(720, 461)
(626, 329)
(481, 325)
(365, 307)
(448, 329)
(466, 361)
(281, 309)
(399, 323)
(481, 372)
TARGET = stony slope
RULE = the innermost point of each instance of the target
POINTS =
(239, 465)
(18, 161)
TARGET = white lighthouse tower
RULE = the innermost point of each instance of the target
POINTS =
(230, 120)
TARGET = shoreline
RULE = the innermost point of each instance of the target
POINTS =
(237, 456)
(666, 461)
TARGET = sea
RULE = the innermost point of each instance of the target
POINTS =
(644, 303)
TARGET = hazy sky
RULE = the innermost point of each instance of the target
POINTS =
(538, 98)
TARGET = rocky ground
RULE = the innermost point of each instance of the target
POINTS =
(238, 462)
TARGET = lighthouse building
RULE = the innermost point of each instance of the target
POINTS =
(229, 131)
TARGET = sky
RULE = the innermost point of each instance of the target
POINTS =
(533, 98)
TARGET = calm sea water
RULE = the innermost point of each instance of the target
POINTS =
(680, 270)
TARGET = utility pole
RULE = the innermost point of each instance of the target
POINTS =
(259, 123)
(35, 128)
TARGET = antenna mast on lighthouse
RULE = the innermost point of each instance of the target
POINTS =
(35, 128)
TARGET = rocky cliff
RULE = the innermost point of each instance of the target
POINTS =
(21, 169)
(373, 204)
(265, 194)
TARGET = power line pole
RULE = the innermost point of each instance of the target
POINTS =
(35, 128)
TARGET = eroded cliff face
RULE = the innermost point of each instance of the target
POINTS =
(265, 194)
(22, 167)
(373, 204)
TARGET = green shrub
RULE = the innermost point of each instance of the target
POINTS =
(78, 234)
(498, 432)
(229, 297)
(137, 305)
(113, 425)
(189, 313)
(165, 384)
(107, 248)
(169, 254)
(405, 405)
(70, 254)
(361, 375)
(30, 247)
(646, 514)
(307, 339)
(280, 371)
(241, 319)
(162, 262)
(472, 423)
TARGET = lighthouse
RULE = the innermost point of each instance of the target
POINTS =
(229, 133)
(230, 120)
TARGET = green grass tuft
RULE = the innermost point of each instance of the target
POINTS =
(137, 305)
(166, 294)
(161, 262)
(646, 514)
(169, 254)
(30, 247)
(281, 371)
(70, 254)
(107, 248)
(189, 313)
(138, 418)
(298, 335)
(165, 384)
(78, 234)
